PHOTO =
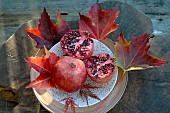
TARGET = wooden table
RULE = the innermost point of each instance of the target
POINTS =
(147, 91)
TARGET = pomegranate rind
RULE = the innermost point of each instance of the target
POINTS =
(69, 78)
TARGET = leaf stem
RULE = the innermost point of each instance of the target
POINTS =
(121, 77)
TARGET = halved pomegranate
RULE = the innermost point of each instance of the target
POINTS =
(69, 74)
(101, 68)
(76, 45)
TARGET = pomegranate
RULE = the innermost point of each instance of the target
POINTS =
(76, 45)
(100, 67)
(69, 74)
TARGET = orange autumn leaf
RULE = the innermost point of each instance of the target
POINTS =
(43, 65)
(40, 64)
(47, 34)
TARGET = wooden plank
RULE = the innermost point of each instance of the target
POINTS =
(147, 91)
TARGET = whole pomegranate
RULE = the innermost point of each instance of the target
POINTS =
(76, 45)
(101, 68)
(69, 74)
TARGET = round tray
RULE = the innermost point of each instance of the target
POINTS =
(52, 105)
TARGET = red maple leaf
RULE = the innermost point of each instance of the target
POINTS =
(86, 92)
(47, 34)
(99, 23)
(43, 81)
(43, 66)
(134, 55)
(61, 25)
(69, 102)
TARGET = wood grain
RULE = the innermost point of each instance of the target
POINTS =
(148, 91)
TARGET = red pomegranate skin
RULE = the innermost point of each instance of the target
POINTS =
(69, 74)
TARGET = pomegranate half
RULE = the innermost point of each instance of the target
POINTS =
(101, 68)
(77, 45)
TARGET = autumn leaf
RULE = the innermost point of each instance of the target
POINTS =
(61, 25)
(41, 42)
(53, 58)
(86, 92)
(134, 55)
(40, 64)
(43, 66)
(43, 81)
(69, 102)
(99, 23)
(9, 94)
(47, 34)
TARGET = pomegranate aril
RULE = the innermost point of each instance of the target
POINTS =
(106, 68)
(95, 73)
(86, 42)
(100, 67)
(78, 46)
(93, 66)
(82, 53)
(74, 40)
